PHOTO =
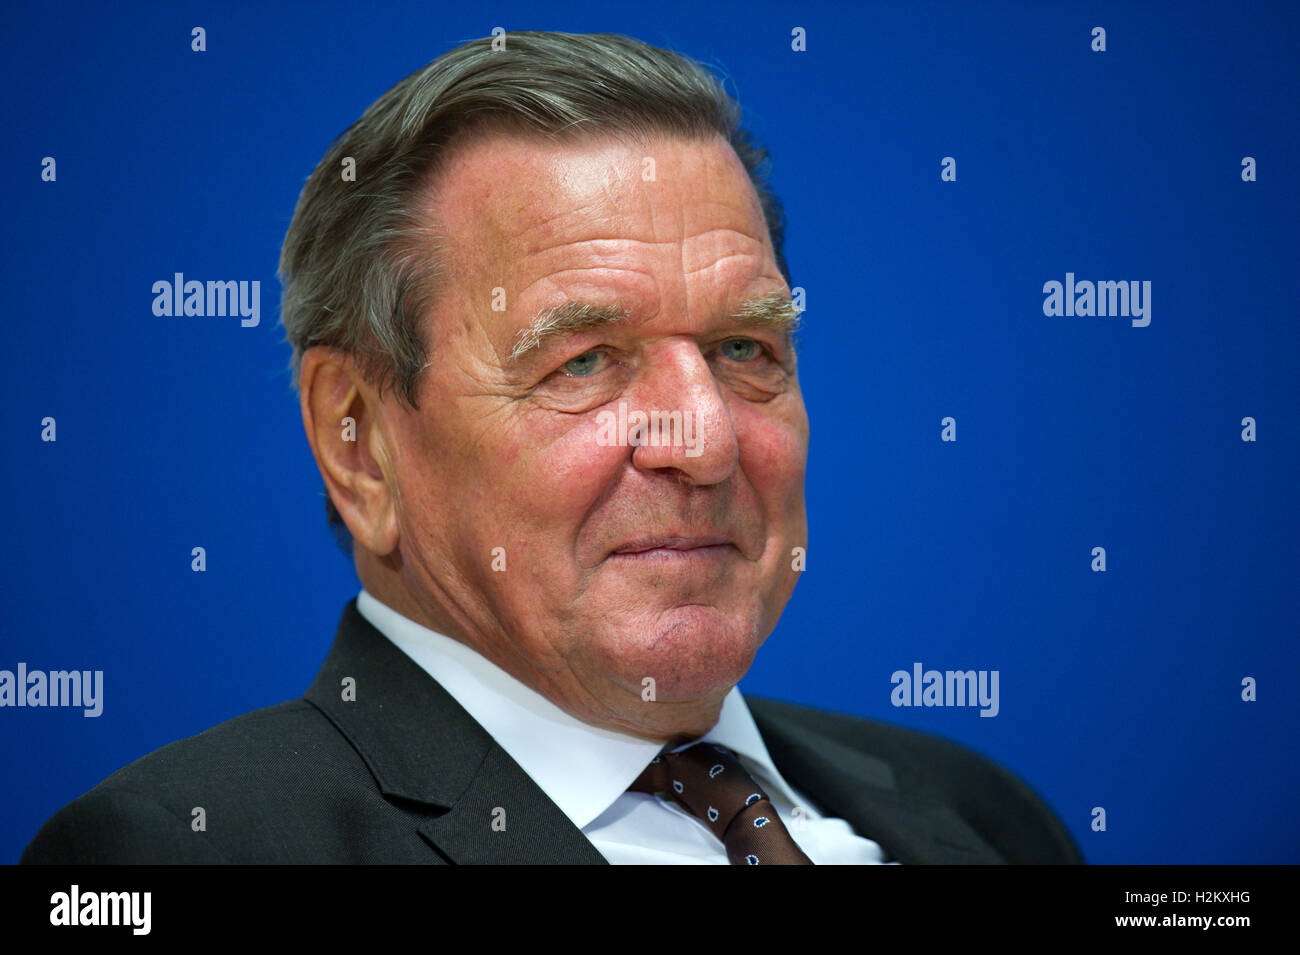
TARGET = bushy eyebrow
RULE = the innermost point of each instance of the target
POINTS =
(563, 319)
(773, 311)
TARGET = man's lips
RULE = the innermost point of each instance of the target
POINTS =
(670, 546)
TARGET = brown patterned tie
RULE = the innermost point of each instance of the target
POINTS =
(709, 782)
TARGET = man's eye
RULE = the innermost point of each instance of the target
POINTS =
(741, 349)
(584, 365)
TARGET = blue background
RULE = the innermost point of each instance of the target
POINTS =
(1118, 689)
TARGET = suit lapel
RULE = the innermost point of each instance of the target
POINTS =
(423, 747)
(503, 818)
(859, 788)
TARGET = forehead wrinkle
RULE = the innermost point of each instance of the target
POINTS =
(715, 248)
(715, 263)
(552, 228)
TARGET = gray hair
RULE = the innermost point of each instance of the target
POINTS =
(361, 266)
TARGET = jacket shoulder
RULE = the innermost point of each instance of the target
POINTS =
(245, 790)
(996, 802)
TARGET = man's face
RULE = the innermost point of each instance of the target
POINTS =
(532, 524)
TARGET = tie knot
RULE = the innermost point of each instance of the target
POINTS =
(705, 776)
(710, 782)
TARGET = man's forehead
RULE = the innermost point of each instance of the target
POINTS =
(513, 195)
(619, 223)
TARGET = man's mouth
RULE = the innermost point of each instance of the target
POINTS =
(712, 546)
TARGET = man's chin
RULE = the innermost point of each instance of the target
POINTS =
(684, 654)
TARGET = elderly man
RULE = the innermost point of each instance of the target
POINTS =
(542, 337)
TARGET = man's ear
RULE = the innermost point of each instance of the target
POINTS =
(341, 416)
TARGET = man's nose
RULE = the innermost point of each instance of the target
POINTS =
(687, 425)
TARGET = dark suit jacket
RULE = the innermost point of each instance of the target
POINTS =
(403, 774)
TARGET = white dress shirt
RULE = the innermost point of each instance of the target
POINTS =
(585, 769)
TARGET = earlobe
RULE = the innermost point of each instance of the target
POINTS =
(342, 420)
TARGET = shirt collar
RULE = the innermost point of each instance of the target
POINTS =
(582, 768)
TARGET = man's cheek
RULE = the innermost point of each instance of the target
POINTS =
(775, 453)
(774, 458)
(573, 466)
(539, 504)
